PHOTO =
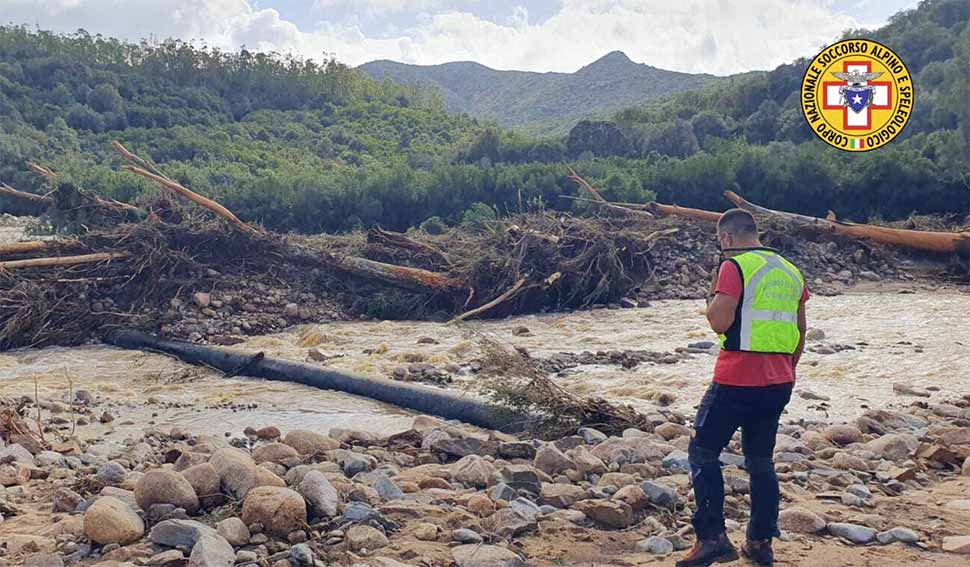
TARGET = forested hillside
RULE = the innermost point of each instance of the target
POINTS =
(289, 143)
(311, 147)
(544, 104)
(751, 133)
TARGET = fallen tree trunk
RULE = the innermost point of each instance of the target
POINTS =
(61, 260)
(203, 202)
(23, 195)
(443, 403)
(939, 242)
(398, 240)
(511, 292)
(33, 246)
(597, 198)
(148, 171)
(677, 211)
(400, 276)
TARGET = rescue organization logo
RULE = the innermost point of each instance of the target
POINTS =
(857, 95)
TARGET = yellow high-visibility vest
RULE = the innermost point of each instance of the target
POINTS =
(766, 319)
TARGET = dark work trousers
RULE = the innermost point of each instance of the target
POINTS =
(756, 410)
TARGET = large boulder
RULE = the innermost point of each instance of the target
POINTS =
(615, 515)
(205, 481)
(855, 533)
(522, 477)
(166, 487)
(16, 452)
(842, 434)
(670, 430)
(800, 521)
(788, 444)
(616, 479)
(179, 533)
(15, 474)
(509, 523)
(633, 496)
(561, 495)
(280, 510)
(552, 461)
(310, 443)
(318, 491)
(586, 462)
(816, 441)
(894, 446)
(475, 555)
(66, 500)
(621, 451)
(234, 530)
(212, 551)
(659, 494)
(275, 453)
(237, 471)
(957, 544)
(266, 477)
(849, 462)
(110, 520)
(365, 538)
(188, 459)
(474, 471)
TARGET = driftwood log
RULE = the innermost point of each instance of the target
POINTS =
(403, 241)
(178, 189)
(597, 198)
(33, 246)
(928, 241)
(61, 260)
(400, 276)
(23, 195)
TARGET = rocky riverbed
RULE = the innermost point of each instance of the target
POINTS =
(146, 461)
(891, 486)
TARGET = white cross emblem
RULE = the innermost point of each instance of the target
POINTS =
(881, 97)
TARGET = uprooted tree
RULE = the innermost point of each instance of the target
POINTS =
(121, 264)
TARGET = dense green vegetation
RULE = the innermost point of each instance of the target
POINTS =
(749, 132)
(289, 143)
(544, 104)
(309, 147)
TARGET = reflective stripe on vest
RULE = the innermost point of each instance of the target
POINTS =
(780, 337)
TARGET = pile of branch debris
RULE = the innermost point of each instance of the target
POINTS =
(185, 266)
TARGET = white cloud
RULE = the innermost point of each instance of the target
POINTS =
(382, 6)
(714, 36)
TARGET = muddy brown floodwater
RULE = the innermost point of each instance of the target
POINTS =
(920, 339)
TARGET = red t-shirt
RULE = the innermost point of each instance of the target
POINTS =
(737, 368)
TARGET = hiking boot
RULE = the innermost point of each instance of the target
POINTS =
(708, 552)
(759, 551)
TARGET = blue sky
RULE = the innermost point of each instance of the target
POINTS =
(712, 36)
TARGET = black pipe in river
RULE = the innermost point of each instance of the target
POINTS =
(433, 401)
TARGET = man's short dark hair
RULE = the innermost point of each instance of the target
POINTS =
(738, 222)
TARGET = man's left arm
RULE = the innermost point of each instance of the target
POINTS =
(720, 313)
(726, 291)
(802, 328)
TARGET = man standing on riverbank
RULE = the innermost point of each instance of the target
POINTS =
(758, 309)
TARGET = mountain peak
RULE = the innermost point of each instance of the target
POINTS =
(549, 103)
(613, 57)
(612, 62)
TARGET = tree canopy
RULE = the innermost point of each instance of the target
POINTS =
(316, 146)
